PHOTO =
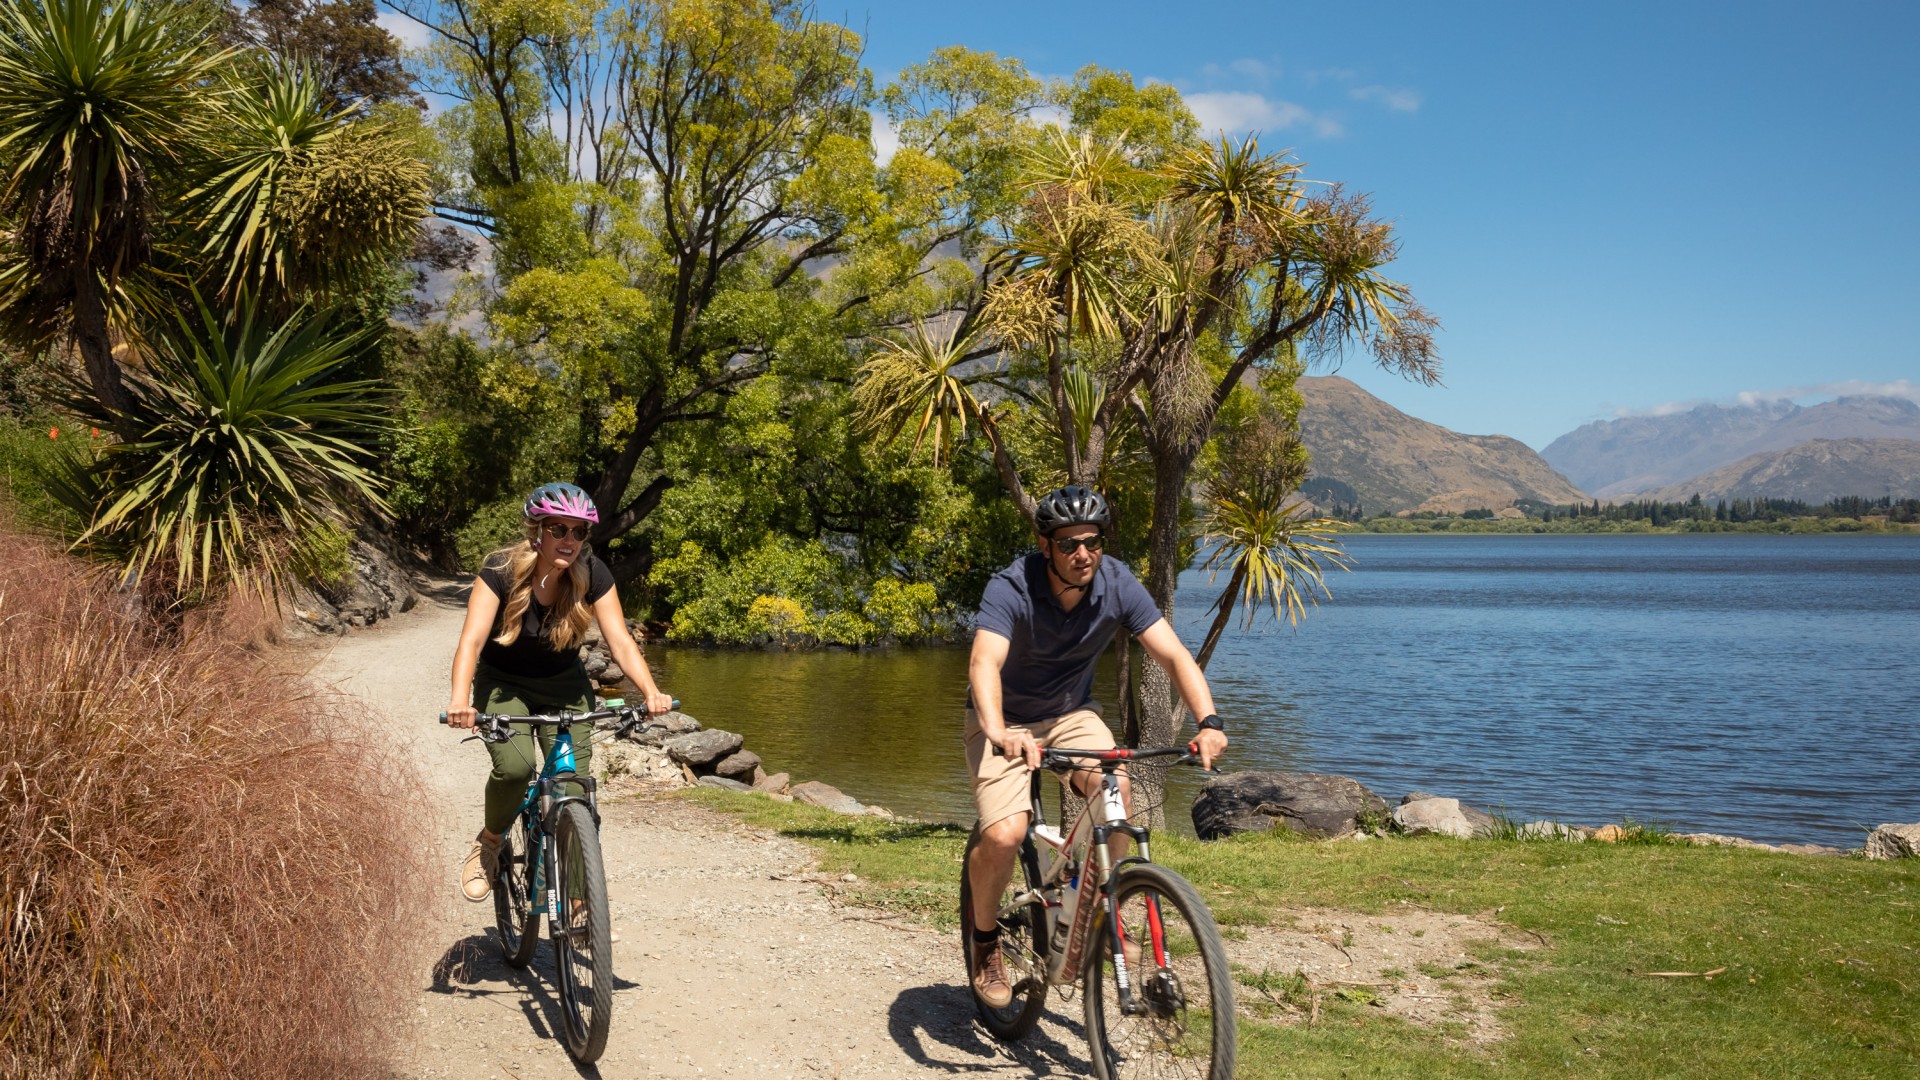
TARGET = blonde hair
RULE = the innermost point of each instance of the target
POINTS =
(568, 617)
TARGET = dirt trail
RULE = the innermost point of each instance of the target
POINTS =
(725, 969)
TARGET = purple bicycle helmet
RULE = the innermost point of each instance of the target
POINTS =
(560, 500)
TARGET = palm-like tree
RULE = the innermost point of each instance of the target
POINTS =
(1275, 552)
(244, 450)
(269, 135)
(301, 196)
(916, 379)
(94, 96)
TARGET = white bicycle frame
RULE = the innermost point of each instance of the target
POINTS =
(1060, 858)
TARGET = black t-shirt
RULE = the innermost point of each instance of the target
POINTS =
(531, 655)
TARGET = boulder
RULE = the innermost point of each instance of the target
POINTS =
(594, 661)
(722, 782)
(1445, 817)
(1552, 830)
(1894, 842)
(776, 783)
(610, 675)
(702, 748)
(675, 722)
(1416, 796)
(827, 797)
(377, 586)
(1312, 803)
(738, 765)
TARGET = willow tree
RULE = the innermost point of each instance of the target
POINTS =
(685, 198)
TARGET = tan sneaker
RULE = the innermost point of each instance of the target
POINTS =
(483, 862)
(990, 977)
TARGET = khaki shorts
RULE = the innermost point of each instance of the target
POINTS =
(1000, 786)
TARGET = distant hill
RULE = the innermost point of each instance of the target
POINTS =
(1638, 454)
(1369, 453)
(1814, 471)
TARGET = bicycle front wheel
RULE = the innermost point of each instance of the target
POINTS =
(1177, 1019)
(514, 917)
(583, 934)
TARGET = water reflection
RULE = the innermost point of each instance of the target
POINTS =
(884, 726)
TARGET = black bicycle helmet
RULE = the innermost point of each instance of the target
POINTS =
(1073, 505)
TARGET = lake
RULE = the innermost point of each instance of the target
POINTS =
(1763, 686)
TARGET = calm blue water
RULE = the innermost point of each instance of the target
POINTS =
(1763, 686)
(1755, 685)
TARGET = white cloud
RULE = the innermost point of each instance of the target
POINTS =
(1900, 388)
(1245, 70)
(1399, 99)
(886, 140)
(410, 33)
(1240, 111)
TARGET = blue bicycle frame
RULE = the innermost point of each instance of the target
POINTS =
(538, 808)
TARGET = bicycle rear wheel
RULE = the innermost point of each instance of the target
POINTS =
(514, 917)
(1182, 1022)
(1023, 946)
(583, 936)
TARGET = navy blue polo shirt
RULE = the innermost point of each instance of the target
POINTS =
(1049, 668)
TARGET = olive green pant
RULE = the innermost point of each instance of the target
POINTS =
(516, 761)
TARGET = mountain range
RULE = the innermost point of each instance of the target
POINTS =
(1371, 456)
(1643, 455)
(1814, 471)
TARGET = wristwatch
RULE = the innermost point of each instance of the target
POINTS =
(1212, 720)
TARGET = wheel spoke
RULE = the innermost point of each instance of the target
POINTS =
(1177, 1020)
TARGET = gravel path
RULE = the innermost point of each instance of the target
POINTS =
(728, 966)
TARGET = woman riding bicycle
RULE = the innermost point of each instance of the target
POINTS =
(519, 653)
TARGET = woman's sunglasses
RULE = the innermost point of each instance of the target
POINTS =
(559, 530)
(1070, 544)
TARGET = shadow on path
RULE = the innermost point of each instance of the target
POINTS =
(930, 1023)
(473, 967)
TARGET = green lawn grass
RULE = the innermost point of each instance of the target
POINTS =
(1822, 955)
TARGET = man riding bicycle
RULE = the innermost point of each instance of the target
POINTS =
(1043, 623)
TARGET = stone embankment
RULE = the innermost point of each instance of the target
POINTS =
(676, 749)
(1337, 807)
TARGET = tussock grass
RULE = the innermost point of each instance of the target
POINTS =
(197, 875)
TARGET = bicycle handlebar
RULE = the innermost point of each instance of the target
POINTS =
(497, 727)
(1064, 757)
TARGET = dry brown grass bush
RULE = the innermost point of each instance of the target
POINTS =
(197, 875)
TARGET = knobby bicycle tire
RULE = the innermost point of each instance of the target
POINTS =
(1188, 1028)
(515, 918)
(583, 935)
(1023, 945)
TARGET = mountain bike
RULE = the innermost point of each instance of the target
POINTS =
(550, 865)
(1133, 935)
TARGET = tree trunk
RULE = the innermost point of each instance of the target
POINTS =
(96, 347)
(1156, 688)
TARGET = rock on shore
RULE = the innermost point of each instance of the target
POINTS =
(1316, 804)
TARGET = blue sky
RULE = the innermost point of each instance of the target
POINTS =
(1611, 207)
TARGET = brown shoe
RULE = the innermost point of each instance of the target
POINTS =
(990, 977)
(483, 862)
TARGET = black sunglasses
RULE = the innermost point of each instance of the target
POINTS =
(558, 530)
(1069, 545)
